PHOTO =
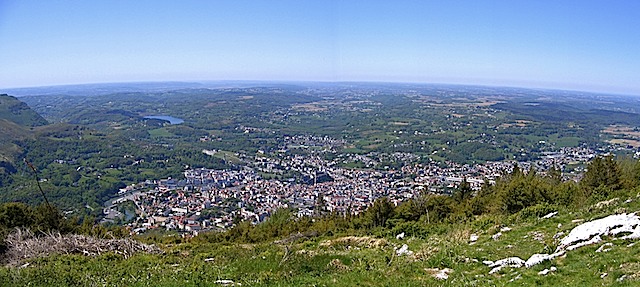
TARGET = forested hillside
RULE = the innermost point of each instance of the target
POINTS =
(18, 112)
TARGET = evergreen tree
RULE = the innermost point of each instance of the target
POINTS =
(463, 192)
(554, 174)
(516, 170)
(16, 214)
(602, 176)
(379, 212)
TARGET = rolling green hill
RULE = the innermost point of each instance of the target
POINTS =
(16, 119)
(18, 112)
(9, 133)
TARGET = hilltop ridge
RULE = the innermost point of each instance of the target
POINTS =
(16, 111)
(16, 121)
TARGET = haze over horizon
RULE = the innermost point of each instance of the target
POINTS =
(568, 45)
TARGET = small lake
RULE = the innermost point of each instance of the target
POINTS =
(170, 119)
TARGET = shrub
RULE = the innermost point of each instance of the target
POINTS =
(536, 211)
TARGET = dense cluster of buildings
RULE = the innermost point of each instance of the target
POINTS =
(207, 199)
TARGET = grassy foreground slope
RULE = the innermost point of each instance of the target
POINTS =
(365, 259)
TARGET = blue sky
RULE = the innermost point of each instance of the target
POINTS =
(578, 45)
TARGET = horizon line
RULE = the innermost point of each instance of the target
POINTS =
(203, 82)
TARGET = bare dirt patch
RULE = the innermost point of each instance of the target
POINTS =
(622, 130)
(364, 241)
(623, 135)
(310, 107)
(633, 143)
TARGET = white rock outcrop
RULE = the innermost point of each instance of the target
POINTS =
(515, 262)
(605, 247)
(547, 271)
(473, 238)
(591, 232)
(536, 259)
(593, 240)
(582, 235)
(404, 250)
(440, 274)
(552, 214)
